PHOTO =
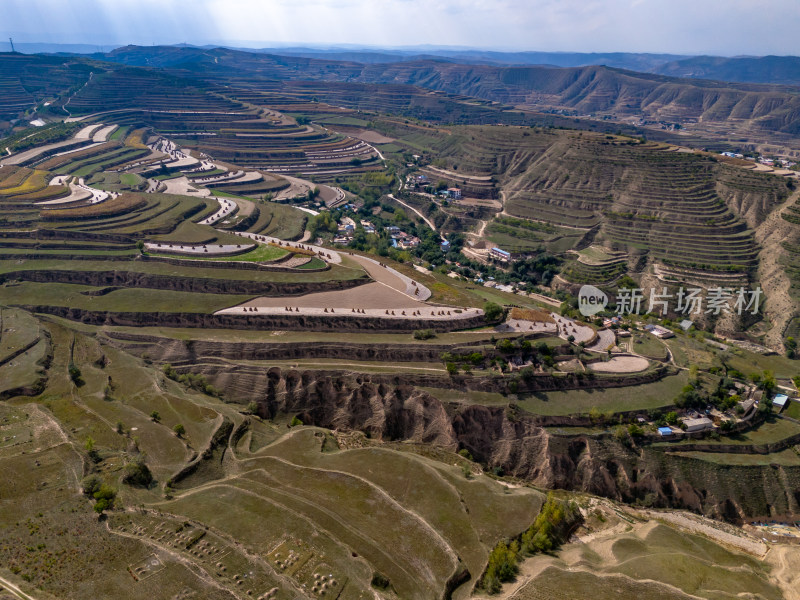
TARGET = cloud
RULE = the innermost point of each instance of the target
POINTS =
(675, 26)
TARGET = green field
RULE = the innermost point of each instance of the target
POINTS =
(630, 398)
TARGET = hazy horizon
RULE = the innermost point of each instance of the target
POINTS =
(681, 27)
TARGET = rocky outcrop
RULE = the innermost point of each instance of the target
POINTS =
(516, 444)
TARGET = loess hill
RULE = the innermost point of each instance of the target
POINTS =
(242, 455)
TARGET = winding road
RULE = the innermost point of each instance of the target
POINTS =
(408, 206)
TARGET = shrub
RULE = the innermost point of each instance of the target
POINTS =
(90, 484)
(424, 334)
(137, 473)
(380, 581)
(74, 374)
(493, 312)
(295, 421)
(104, 498)
(506, 346)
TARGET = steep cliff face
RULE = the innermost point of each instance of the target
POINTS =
(501, 438)
(384, 411)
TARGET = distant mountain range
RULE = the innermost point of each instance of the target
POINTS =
(589, 90)
(784, 70)
(780, 70)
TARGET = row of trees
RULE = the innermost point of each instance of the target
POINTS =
(550, 529)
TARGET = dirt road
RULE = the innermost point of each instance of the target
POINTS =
(421, 216)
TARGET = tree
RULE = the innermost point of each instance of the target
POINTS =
(791, 347)
(179, 430)
(671, 418)
(137, 473)
(75, 374)
(252, 408)
(621, 435)
(104, 498)
(296, 421)
(90, 484)
(493, 312)
(506, 346)
(155, 417)
(768, 381)
(140, 246)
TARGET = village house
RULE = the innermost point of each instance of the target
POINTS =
(454, 193)
(659, 332)
(500, 255)
(779, 401)
(408, 242)
(698, 424)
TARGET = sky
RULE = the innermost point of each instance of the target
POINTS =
(720, 27)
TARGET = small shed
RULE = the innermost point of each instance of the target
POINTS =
(780, 400)
(664, 431)
(698, 424)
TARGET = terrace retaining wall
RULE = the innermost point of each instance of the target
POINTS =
(253, 321)
(237, 265)
(179, 284)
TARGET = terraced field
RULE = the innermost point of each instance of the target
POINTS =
(307, 490)
(234, 127)
(163, 332)
(685, 216)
